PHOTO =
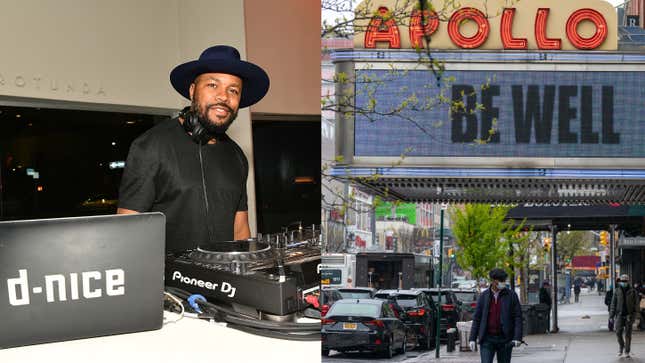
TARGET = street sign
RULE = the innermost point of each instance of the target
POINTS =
(631, 241)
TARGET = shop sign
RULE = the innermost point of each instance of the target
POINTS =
(632, 242)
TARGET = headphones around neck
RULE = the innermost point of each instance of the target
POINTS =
(193, 126)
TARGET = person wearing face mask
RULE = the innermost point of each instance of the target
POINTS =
(497, 322)
(624, 310)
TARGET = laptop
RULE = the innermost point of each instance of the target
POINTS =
(80, 277)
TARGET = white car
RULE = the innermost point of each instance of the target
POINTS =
(466, 284)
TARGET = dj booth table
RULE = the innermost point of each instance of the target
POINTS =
(188, 340)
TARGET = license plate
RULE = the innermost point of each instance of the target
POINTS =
(349, 326)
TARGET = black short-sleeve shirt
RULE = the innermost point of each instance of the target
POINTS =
(163, 174)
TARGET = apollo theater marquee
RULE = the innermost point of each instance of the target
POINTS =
(549, 108)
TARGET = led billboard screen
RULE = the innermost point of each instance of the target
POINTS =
(532, 113)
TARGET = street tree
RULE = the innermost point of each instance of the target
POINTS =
(521, 244)
(483, 236)
(573, 243)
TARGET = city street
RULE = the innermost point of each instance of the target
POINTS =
(583, 338)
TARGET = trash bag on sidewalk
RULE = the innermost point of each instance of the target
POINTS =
(464, 327)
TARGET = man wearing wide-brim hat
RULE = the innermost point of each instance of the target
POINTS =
(187, 167)
(624, 310)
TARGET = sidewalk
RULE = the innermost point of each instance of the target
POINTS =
(580, 340)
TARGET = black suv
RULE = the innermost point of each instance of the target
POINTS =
(419, 315)
(357, 292)
(450, 307)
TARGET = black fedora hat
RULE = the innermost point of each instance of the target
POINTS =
(222, 59)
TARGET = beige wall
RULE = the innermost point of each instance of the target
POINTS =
(284, 37)
(523, 22)
(114, 54)
(110, 52)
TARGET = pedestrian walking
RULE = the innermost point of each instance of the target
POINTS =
(624, 310)
(608, 296)
(497, 322)
(545, 298)
(576, 291)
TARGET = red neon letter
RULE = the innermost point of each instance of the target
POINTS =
(540, 31)
(482, 28)
(382, 31)
(595, 40)
(416, 32)
(507, 31)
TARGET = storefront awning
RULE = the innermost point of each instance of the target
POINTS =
(460, 185)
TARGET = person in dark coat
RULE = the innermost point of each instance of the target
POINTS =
(624, 309)
(608, 296)
(545, 298)
(576, 291)
(497, 322)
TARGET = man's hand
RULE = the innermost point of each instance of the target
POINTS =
(516, 343)
(472, 344)
(241, 229)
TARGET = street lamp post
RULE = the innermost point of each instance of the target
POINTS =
(440, 279)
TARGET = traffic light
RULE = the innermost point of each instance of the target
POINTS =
(450, 254)
(604, 238)
(547, 244)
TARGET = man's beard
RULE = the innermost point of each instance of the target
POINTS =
(211, 127)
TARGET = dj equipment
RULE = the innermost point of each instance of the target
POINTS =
(80, 277)
(264, 277)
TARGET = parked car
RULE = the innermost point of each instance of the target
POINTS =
(327, 298)
(467, 299)
(419, 316)
(464, 284)
(363, 325)
(400, 314)
(357, 292)
(450, 308)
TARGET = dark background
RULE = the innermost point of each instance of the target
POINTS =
(72, 150)
(283, 151)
